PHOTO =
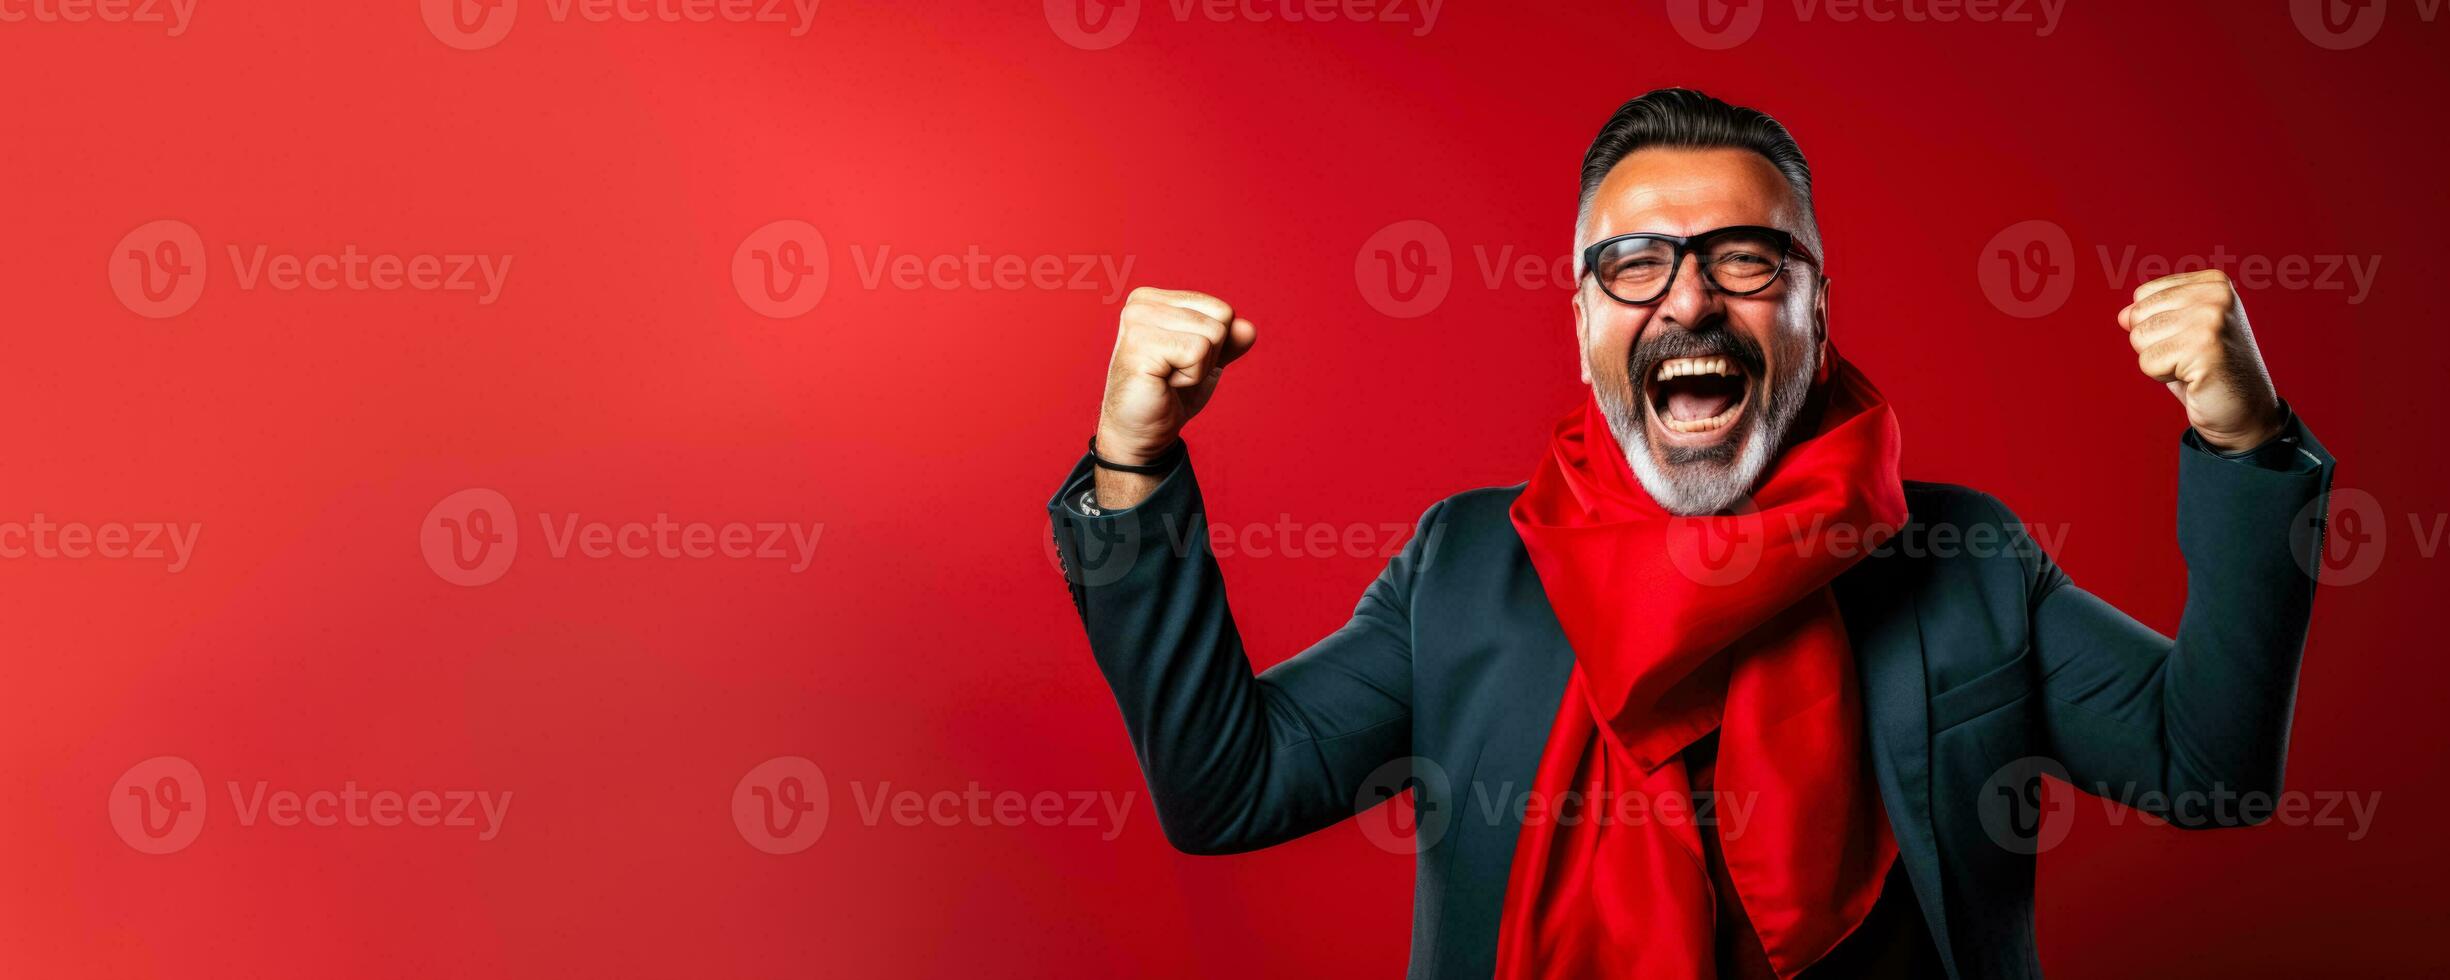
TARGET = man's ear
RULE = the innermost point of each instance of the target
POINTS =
(1820, 329)
(1582, 338)
(1820, 312)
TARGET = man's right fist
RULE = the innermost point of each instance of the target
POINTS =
(1171, 349)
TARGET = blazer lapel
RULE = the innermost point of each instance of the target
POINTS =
(1887, 636)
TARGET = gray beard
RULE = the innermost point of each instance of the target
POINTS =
(1713, 480)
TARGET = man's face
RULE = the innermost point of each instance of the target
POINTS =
(1736, 368)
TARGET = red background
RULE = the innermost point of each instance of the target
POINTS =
(930, 645)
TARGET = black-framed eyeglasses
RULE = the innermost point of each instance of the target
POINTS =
(1739, 261)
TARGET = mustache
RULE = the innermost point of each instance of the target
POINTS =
(1644, 359)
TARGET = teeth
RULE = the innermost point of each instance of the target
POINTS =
(1681, 366)
(1718, 421)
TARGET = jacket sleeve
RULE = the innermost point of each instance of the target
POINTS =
(1234, 762)
(2188, 728)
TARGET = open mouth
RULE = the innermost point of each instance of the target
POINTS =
(1698, 398)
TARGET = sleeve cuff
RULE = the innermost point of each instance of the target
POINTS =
(2293, 450)
(1077, 498)
(1108, 547)
(2242, 513)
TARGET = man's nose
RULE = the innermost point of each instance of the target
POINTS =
(1690, 301)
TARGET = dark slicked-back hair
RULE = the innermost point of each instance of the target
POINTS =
(1685, 119)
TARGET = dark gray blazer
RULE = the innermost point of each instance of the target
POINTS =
(1982, 666)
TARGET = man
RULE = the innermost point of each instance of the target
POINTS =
(1771, 727)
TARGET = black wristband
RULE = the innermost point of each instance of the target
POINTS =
(1164, 464)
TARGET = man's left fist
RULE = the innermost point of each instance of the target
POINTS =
(2189, 331)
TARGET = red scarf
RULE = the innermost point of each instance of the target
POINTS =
(1681, 626)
